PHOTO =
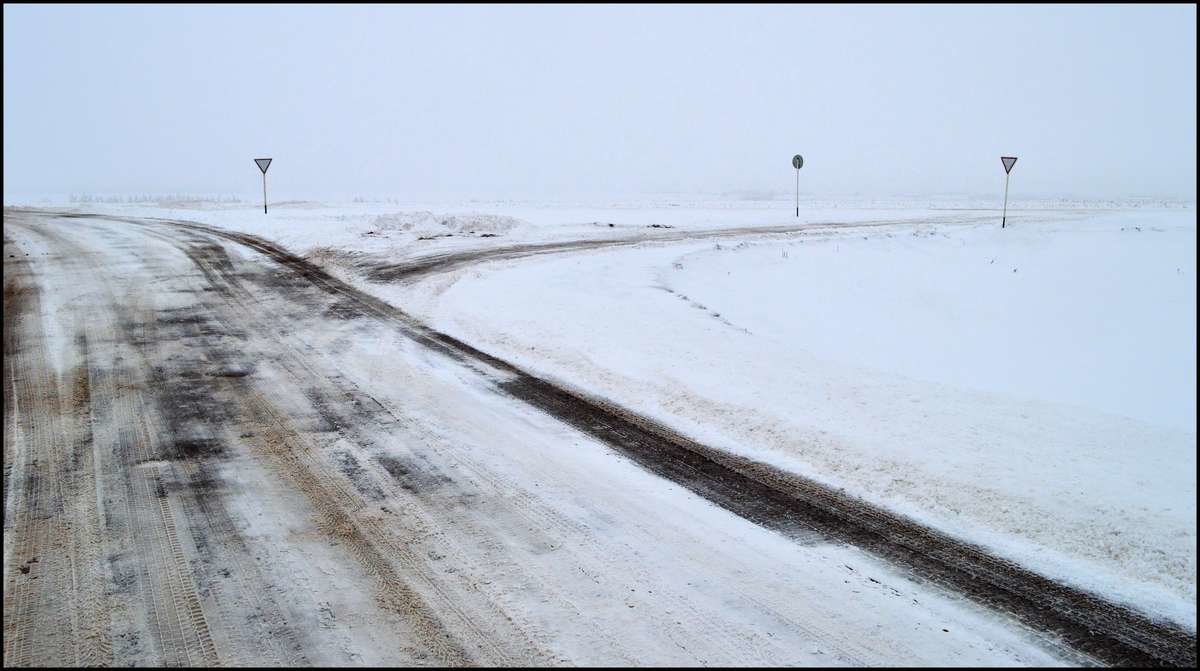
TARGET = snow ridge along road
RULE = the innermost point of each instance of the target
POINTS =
(164, 525)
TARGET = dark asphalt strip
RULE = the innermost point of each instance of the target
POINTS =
(796, 506)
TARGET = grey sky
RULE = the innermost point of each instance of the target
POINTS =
(556, 101)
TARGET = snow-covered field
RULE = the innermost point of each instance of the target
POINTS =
(1030, 389)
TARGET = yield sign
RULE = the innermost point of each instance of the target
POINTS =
(264, 162)
(1008, 162)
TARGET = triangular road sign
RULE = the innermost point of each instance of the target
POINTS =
(1008, 162)
(264, 162)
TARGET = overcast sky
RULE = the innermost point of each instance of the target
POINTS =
(552, 102)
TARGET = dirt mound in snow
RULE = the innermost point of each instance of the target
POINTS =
(331, 258)
(428, 224)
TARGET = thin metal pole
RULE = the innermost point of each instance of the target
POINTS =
(1004, 218)
(264, 193)
(797, 192)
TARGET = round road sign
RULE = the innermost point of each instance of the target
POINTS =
(797, 161)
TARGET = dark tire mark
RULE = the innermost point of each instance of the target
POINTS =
(425, 265)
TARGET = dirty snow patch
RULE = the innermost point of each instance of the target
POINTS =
(429, 224)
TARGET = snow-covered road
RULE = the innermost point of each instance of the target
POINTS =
(218, 453)
(1031, 389)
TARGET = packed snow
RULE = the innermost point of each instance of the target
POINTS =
(1031, 389)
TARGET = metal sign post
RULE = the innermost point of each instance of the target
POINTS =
(1009, 162)
(797, 163)
(263, 163)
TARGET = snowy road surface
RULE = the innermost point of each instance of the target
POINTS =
(216, 453)
(1020, 389)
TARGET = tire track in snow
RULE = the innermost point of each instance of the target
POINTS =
(438, 263)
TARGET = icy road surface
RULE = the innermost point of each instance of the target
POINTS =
(218, 454)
